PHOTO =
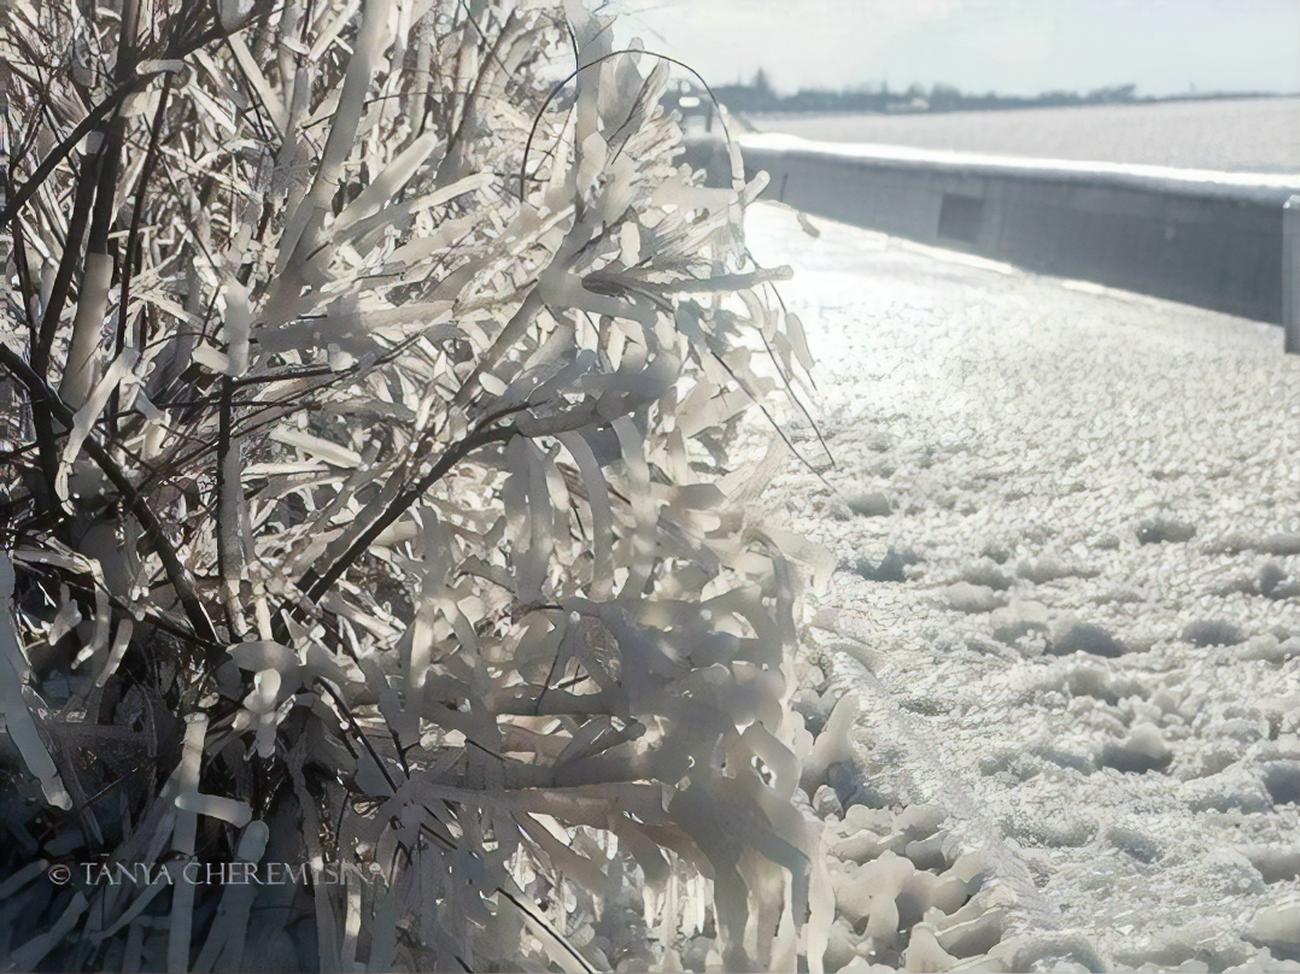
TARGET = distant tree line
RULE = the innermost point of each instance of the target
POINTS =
(759, 96)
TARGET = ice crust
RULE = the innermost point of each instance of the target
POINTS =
(1075, 629)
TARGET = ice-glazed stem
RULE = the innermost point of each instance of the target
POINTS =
(82, 369)
(13, 708)
(226, 938)
(343, 132)
(183, 836)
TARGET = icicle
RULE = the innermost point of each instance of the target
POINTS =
(238, 322)
(183, 836)
(66, 619)
(261, 702)
(120, 643)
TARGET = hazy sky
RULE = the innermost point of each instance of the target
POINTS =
(1020, 46)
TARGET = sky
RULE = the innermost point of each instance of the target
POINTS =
(1009, 46)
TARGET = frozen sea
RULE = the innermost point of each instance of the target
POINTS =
(1064, 615)
(1257, 134)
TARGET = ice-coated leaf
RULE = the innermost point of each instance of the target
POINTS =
(269, 101)
(597, 492)
(387, 184)
(228, 810)
(18, 719)
(85, 417)
(317, 446)
(834, 743)
(643, 506)
(82, 370)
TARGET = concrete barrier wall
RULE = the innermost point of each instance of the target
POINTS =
(1204, 238)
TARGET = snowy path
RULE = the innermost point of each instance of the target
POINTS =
(1071, 559)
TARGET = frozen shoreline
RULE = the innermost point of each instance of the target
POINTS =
(1069, 565)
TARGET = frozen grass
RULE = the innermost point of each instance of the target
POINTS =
(367, 504)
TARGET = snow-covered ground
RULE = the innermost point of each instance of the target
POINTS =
(1066, 523)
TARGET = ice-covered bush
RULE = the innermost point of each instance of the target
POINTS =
(369, 370)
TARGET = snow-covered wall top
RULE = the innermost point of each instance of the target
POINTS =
(1248, 186)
